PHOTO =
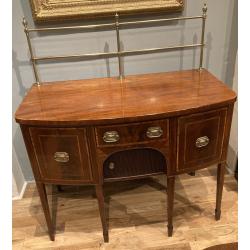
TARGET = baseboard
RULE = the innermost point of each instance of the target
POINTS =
(20, 196)
(229, 170)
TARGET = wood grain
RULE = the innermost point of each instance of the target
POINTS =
(141, 97)
(191, 127)
(133, 133)
(73, 116)
(228, 246)
(48, 141)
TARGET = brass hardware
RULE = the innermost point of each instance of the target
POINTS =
(61, 157)
(132, 52)
(77, 27)
(111, 136)
(119, 53)
(113, 54)
(204, 17)
(109, 54)
(161, 20)
(118, 44)
(106, 25)
(26, 30)
(202, 142)
(154, 132)
(111, 165)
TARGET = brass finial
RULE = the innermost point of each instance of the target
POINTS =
(116, 19)
(204, 10)
(25, 23)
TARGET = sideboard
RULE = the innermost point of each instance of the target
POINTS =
(88, 132)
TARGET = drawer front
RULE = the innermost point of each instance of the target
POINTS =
(200, 139)
(62, 154)
(135, 133)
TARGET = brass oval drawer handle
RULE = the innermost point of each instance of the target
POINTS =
(111, 136)
(61, 157)
(154, 132)
(202, 142)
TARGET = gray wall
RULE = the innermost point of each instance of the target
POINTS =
(221, 37)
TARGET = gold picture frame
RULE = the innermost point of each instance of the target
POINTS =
(61, 10)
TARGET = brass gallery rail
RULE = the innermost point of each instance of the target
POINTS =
(119, 53)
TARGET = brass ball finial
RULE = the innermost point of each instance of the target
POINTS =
(25, 23)
(116, 19)
(204, 9)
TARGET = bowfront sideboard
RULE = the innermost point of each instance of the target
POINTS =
(88, 132)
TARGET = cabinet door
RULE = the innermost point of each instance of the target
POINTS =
(200, 139)
(62, 154)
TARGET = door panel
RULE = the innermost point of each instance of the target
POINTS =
(62, 153)
(200, 138)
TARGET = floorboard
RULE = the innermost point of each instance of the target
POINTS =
(137, 216)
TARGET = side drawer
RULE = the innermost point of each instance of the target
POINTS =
(200, 139)
(134, 133)
(62, 153)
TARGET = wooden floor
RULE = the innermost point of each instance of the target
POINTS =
(137, 216)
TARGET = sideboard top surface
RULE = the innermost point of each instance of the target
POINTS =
(135, 98)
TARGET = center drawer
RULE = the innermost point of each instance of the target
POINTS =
(133, 133)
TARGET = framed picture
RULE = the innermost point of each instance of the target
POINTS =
(61, 10)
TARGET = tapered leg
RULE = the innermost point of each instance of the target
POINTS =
(220, 182)
(100, 198)
(45, 205)
(170, 201)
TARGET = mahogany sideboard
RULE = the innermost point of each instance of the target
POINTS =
(87, 132)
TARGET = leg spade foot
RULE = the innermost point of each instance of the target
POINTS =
(170, 231)
(217, 214)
